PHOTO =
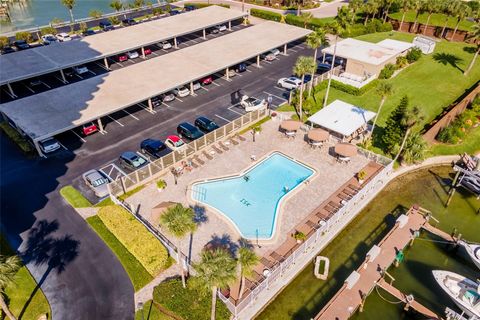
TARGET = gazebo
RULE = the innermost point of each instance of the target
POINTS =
(342, 119)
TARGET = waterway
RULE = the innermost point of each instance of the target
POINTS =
(304, 297)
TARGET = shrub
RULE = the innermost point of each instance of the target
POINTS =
(387, 71)
(267, 15)
(95, 14)
(402, 61)
(414, 54)
(200, 5)
(148, 250)
(348, 88)
(161, 184)
(157, 11)
(114, 20)
(48, 30)
(371, 27)
(4, 42)
(313, 24)
(56, 21)
(23, 35)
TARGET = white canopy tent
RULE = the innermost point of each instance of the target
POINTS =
(342, 118)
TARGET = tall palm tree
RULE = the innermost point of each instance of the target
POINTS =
(430, 6)
(337, 28)
(315, 40)
(247, 259)
(179, 221)
(371, 8)
(217, 269)
(116, 5)
(447, 7)
(408, 121)
(70, 4)
(354, 6)
(461, 12)
(406, 6)
(384, 89)
(303, 66)
(417, 6)
(388, 4)
(8, 269)
(475, 35)
(306, 17)
(414, 149)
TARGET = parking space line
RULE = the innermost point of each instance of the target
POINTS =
(101, 65)
(8, 93)
(83, 140)
(281, 98)
(168, 106)
(64, 148)
(154, 53)
(116, 121)
(293, 50)
(281, 89)
(164, 50)
(267, 61)
(81, 78)
(216, 115)
(46, 85)
(130, 114)
(61, 80)
(201, 87)
(230, 108)
(146, 108)
(300, 47)
(178, 99)
(248, 70)
(213, 82)
(31, 90)
(92, 72)
(131, 60)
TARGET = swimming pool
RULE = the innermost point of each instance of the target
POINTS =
(251, 200)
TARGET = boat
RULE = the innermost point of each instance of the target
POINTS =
(463, 291)
(473, 251)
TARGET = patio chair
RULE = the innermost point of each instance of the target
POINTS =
(354, 188)
(216, 149)
(344, 196)
(197, 159)
(267, 263)
(223, 146)
(277, 257)
(209, 157)
(241, 138)
(233, 141)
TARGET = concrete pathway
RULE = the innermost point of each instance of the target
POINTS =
(87, 212)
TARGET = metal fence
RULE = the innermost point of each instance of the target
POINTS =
(162, 165)
(287, 270)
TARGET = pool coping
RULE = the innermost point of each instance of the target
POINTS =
(280, 204)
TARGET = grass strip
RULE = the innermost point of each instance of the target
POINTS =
(74, 197)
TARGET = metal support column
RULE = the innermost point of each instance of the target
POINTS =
(150, 105)
(63, 76)
(37, 147)
(226, 74)
(100, 125)
(191, 89)
(285, 49)
(323, 60)
(105, 61)
(258, 61)
(175, 43)
(204, 34)
(143, 52)
(11, 90)
(229, 25)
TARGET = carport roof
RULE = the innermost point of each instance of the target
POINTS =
(37, 61)
(58, 110)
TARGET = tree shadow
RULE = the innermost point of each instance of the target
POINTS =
(43, 248)
(200, 214)
(470, 50)
(223, 242)
(448, 58)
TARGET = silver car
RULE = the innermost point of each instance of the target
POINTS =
(97, 182)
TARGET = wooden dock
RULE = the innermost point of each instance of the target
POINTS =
(440, 233)
(361, 282)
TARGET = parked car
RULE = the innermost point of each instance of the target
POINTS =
(206, 81)
(338, 61)
(267, 56)
(174, 12)
(221, 28)
(289, 83)
(122, 57)
(241, 67)
(147, 51)
(275, 52)
(35, 82)
(7, 50)
(231, 73)
(129, 22)
(132, 54)
(80, 69)
(106, 25)
(323, 67)
(97, 182)
(167, 97)
(88, 32)
(21, 45)
(205, 124)
(49, 145)
(165, 45)
(196, 86)
(63, 36)
(157, 101)
(154, 148)
(252, 104)
(181, 92)
(89, 128)
(132, 161)
(49, 39)
(189, 8)
(214, 30)
(175, 143)
(189, 131)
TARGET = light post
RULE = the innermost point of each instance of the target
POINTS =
(140, 306)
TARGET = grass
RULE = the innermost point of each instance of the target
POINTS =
(470, 145)
(150, 311)
(142, 244)
(437, 19)
(187, 303)
(17, 138)
(74, 197)
(137, 273)
(108, 202)
(18, 293)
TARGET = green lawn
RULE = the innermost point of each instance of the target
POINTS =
(74, 197)
(19, 292)
(470, 145)
(437, 19)
(137, 273)
(151, 312)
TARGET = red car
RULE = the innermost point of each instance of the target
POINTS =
(206, 81)
(89, 128)
(122, 57)
(147, 51)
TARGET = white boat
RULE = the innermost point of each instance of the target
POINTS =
(473, 251)
(463, 291)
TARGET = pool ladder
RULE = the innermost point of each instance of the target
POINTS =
(200, 193)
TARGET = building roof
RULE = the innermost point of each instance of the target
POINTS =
(367, 52)
(55, 111)
(37, 61)
(342, 117)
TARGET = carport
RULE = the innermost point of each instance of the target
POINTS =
(46, 59)
(49, 113)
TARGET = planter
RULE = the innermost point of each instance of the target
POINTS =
(361, 181)
(160, 189)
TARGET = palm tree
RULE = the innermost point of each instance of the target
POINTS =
(384, 89)
(475, 35)
(408, 121)
(417, 5)
(247, 259)
(8, 269)
(179, 221)
(70, 4)
(315, 40)
(414, 149)
(430, 6)
(337, 29)
(371, 8)
(306, 17)
(388, 4)
(217, 269)
(448, 9)
(461, 12)
(303, 66)
(116, 5)
(406, 6)
(354, 6)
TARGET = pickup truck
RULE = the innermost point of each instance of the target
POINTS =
(252, 104)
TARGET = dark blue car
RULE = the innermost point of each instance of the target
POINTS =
(189, 131)
(205, 124)
(154, 148)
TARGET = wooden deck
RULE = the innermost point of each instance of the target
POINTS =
(440, 233)
(347, 301)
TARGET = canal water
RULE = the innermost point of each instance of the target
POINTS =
(305, 296)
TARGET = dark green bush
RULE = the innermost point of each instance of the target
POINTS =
(267, 15)
(414, 54)
(401, 62)
(313, 24)
(4, 42)
(387, 71)
(373, 26)
(48, 30)
(23, 35)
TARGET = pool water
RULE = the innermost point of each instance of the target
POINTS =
(251, 200)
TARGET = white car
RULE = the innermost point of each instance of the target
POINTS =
(97, 182)
(252, 104)
(175, 143)
(221, 28)
(132, 54)
(49, 145)
(275, 52)
(62, 37)
(181, 92)
(196, 86)
(49, 39)
(289, 83)
(80, 69)
(165, 45)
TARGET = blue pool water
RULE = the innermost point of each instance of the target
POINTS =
(251, 200)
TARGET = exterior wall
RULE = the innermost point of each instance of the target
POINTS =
(432, 31)
(360, 68)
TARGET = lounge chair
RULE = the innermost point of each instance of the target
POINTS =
(267, 262)
(197, 159)
(344, 196)
(240, 137)
(209, 157)
(233, 141)
(277, 257)
(216, 149)
(223, 146)
(354, 188)
(191, 163)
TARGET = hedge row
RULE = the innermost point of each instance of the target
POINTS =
(348, 88)
(312, 24)
(265, 14)
(200, 5)
(148, 250)
(371, 27)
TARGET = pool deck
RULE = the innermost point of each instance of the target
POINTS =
(215, 229)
